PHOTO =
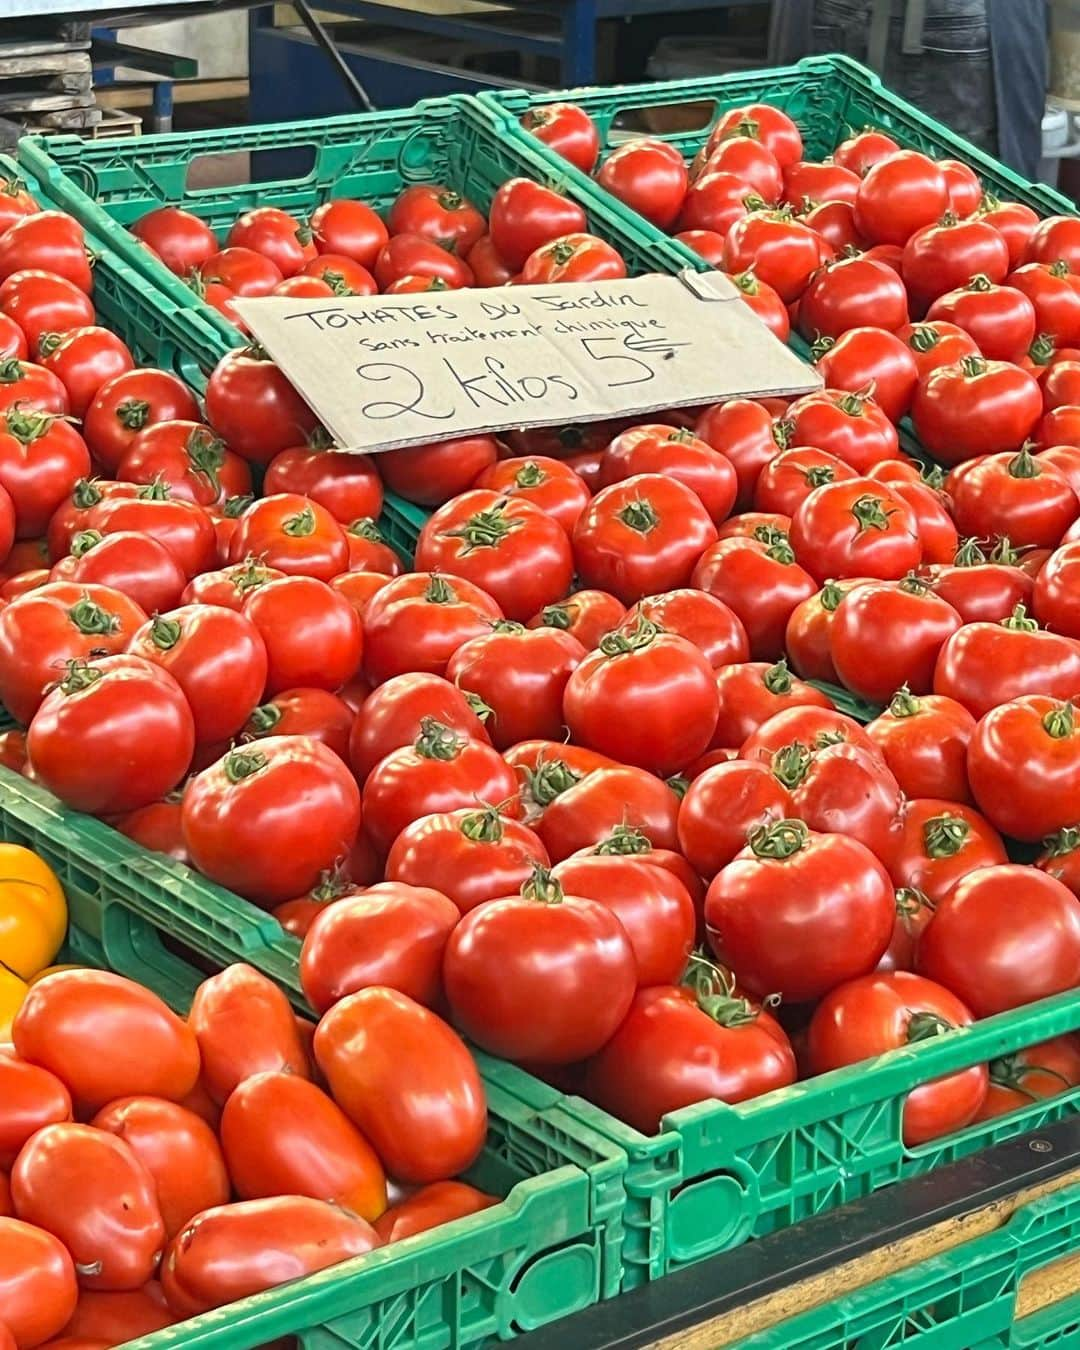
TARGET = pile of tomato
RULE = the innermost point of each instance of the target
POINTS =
(209, 1158)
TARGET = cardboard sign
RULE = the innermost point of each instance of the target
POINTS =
(384, 371)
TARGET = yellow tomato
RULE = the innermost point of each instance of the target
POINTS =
(33, 912)
(50, 970)
(12, 992)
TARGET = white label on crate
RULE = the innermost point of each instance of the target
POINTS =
(391, 370)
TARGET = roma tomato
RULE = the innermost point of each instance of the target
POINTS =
(855, 528)
(38, 1287)
(505, 545)
(850, 426)
(431, 474)
(721, 807)
(647, 696)
(649, 176)
(1003, 936)
(888, 635)
(1000, 320)
(391, 935)
(975, 407)
(430, 1207)
(1018, 495)
(705, 622)
(247, 791)
(112, 736)
(939, 842)
(543, 943)
(216, 657)
(936, 343)
(33, 1097)
(1024, 766)
(752, 692)
(586, 615)
(282, 1135)
(108, 1316)
(177, 1148)
(760, 582)
(311, 633)
(888, 1010)
(788, 881)
(244, 1026)
(783, 251)
(252, 405)
(566, 129)
(899, 195)
(672, 1051)
(985, 664)
(406, 1080)
(679, 454)
(852, 293)
(129, 403)
(67, 1018)
(641, 536)
(924, 742)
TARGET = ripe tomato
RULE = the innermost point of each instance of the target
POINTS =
(350, 228)
(783, 252)
(140, 567)
(244, 1026)
(745, 433)
(276, 235)
(1019, 495)
(33, 1097)
(760, 122)
(760, 582)
(177, 1149)
(391, 717)
(525, 216)
(66, 1019)
(84, 359)
(41, 459)
(975, 407)
(828, 888)
(292, 533)
(858, 527)
(672, 1050)
(751, 162)
(898, 195)
(303, 712)
(812, 726)
(850, 426)
(585, 807)
(430, 1207)
(264, 1121)
(41, 302)
(187, 456)
(1003, 936)
(808, 635)
(704, 621)
(924, 742)
(238, 271)
(985, 664)
(1056, 590)
(437, 213)
(870, 358)
(112, 736)
(861, 152)
(935, 344)
(229, 586)
(406, 1080)
(586, 615)
(1024, 766)
(72, 516)
(311, 633)
(487, 267)
(843, 789)
(252, 405)
(548, 484)
(1029, 1075)
(157, 828)
(218, 659)
(180, 239)
(939, 842)
(44, 630)
(679, 454)
(32, 388)
(38, 1288)
(431, 474)
(888, 635)
(411, 255)
(649, 176)
(127, 404)
(245, 790)
(182, 527)
(50, 240)
(884, 1011)
(573, 257)
(938, 536)
(714, 201)
(1054, 238)
(721, 807)
(981, 591)
(232, 1251)
(999, 319)
(760, 296)
(1054, 293)
(566, 129)
(416, 622)
(342, 274)
(110, 1315)
(641, 536)
(15, 202)
(945, 256)
(852, 293)
(751, 693)
(810, 181)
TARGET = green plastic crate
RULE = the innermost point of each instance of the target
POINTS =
(964, 1299)
(551, 1247)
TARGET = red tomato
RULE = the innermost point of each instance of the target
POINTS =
(525, 216)
(649, 176)
(975, 407)
(858, 527)
(788, 880)
(294, 534)
(311, 633)
(28, 387)
(714, 201)
(924, 742)
(1030, 1075)
(84, 359)
(1060, 858)
(33, 1097)
(981, 591)
(751, 693)
(41, 459)
(411, 255)
(870, 358)
(180, 239)
(111, 736)
(888, 635)
(679, 454)
(177, 1149)
(109, 1316)
(809, 181)
(406, 1080)
(861, 152)
(240, 271)
(303, 712)
(66, 1018)
(576, 956)
(844, 789)
(1056, 592)
(813, 726)
(350, 228)
(50, 240)
(852, 293)
(13, 344)
(231, 585)
(885, 1011)
(641, 536)
(140, 567)
(898, 195)
(343, 274)
(15, 202)
(945, 256)
(1018, 495)
(38, 1288)
(1055, 238)
(985, 664)
(245, 789)
(157, 828)
(1003, 936)
(487, 267)
(850, 426)
(761, 298)
(936, 344)
(783, 252)
(938, 843)
(760, 582)
(808, 635)
(437, 213)
(252, 405)
(586, 615)
(761, 122)
(999, 319)
(431, 474)
(721, 807)
(276, 235)
(187, 456)
(127, 404)
(1054, 293)
(933, 523)
(391, 717)
(566, 129)
(430, 1207)
(232, 1251)
(587, 806)
(1024, 766)
(244, 1026)
(573, 257)
(549, 484)
(744, 431)
(416, 623)
(705, 622)
(750, 161)
(346, 485)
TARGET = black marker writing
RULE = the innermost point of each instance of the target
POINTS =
(409, 400)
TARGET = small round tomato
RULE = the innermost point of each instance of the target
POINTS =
(566, 129)
(898, 195)
(924, 742)
(852, 293)
(431, 474)
(42, 457)
(975, 407)
(761, 582)
(808, 180)
(311, 633)
(342, 274)
(714, 201)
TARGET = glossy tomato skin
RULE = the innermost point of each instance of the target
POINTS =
(870, 358)
(41, 460)
(505, 545)
(924, 742)
(406, 1080)
(244, 1026)
(757, 294)
(411, 255)
(129, 403)
(392, 935)
(1055, 295)
(37, 1283)
(752, 692)
(282, 1135)
(246, 790)
(939, 842)
(180, 239)
(431, 474)
(1000, 319)
(506, 953)
(189, 459)
(311, 633)
(112, 736)
(250, 403)
(84, 359)
(416, 622)
(641, 536)
(744, 431)
(885, 1011)
(760, 122)
(852, 293)
(1024, 766)
(808, 635)
(236, 1250)
(138, 566)
(1055, 596)
(230, 585)
(1019, 1080)
(760, 582)
(293, 534)
(975, 407)
(526, 215)
(887, 635)
(303, 712)
(589, 808)
(573, 257)
(181, 526)
(678, 453)
(850, 426)
(981, 591)
(647, 696)
(721, 806)
(985, 664)
(648, 176)
(701, 619)
(934, 525)
(391, 716)
(783, 252)
(547, 483)
(941, 257)
(858, 527)
(585, 614)
(843, 789)
(109, 1315)
(898, 195)
(670, 1053)
(437, 213)
(177, 1148)
(935, 344)
(566, 129)
(430, 1207)
(50, 240)
(33, 1098)
(1029, 500)
(1003, 936)
(348, 227)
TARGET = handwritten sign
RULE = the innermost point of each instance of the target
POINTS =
(391, 370)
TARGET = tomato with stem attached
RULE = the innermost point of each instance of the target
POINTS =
(578, 809)
(944, 256)
(976, 407)
(1024, 766)
(416, 622)
(857, 527)
(1015, 494)
(566, 129)
(936, 343)
(898, 195)
(438, 213)
(311, 633)
(1000, 319)
(869, 359)
(924, 741)
(586, 615)
(721, 806)
(850, 426)
(549, 484)
(1030, 1075)
(887, 635)
(852, 293)
(938, 843)
(986, 664)
(679, 454)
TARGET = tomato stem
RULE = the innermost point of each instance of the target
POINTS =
(1060, 722)
(530, 475)
(619, 642)
(165, 633)
(84, 541)
(483, 827)
(624, 840)
(85, 494)
(1066, 840)
(91, 619)
(904, 703)
(439, 591)
(79, 675)
(508, 626)
(363, 527)
(157, 491)
(1018, 621)
(481, 709)
(301, 525)
(830, 596)
(870, 513)
(640, 515)
(791, 763)
(910, 901)
(1009, 1071)
(542, 887)
(550, 779)
(241, 764)
(1023, 464)
(777, 679)
(557, 616)
(924, 338)
(779, 841)
(485, 529)
(262, 721)
(133, 413)
(438, 741)
(924, 1026)
(945, 835)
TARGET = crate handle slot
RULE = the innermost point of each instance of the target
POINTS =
(238, 166)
